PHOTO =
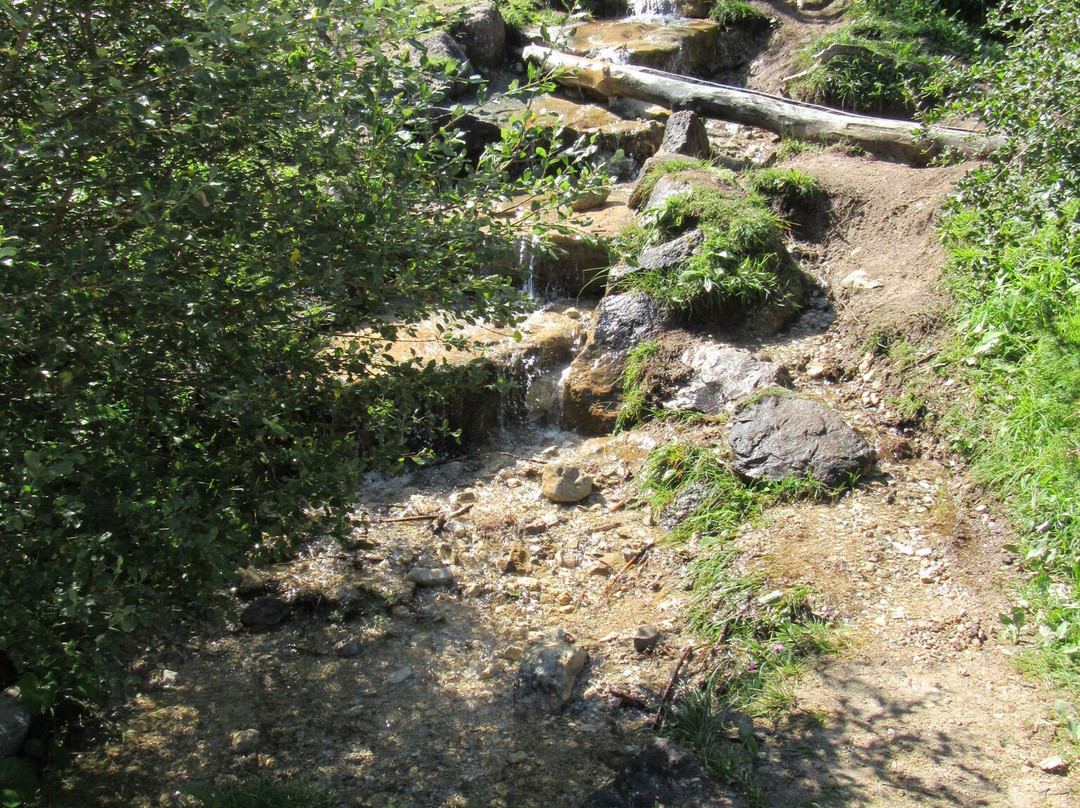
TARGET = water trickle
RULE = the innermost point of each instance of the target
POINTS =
(654, 8)
(526, 258)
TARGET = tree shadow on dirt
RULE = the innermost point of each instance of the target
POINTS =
(874, 746)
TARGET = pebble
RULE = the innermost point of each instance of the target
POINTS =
(515, 758)
(430, 576)
(245, 741)
(1054, 765)
(348, 648)
(399, 676)
(462, 498)
(645, 638)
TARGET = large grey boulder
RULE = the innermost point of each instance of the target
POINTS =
(14, 725)
(684, 133)
(626, 320)
(721, 376)
(782, 436)
(663, 774)
(549, 670)
(671, 254)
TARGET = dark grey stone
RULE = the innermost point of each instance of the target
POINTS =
(265, 612)
(671, 254)
(14, 725)
(783, 436)
(483, 35)
(623, 321)
(663, 774)
(685, 134)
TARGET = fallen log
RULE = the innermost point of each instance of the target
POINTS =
(904, 140)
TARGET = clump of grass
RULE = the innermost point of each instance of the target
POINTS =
(789, 186)
(633, 385)
(741, 263)
(900, 58)
(736, 12)
(264, 794)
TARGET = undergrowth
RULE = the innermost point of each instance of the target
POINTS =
(895, 59)
(741, 262)
(756, 636)
(737, 12)
(633, 385)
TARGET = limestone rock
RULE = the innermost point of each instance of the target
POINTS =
(563, 483)
(483, 35)
(430, 576)
(14, 725)
(783, 436)
(685, 134)
(550, 666)
(663, 774)
(639, 139)
(676, 45)
(722, 376)
(264, 612)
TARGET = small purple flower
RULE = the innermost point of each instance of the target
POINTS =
(752, 666)
(777, 648)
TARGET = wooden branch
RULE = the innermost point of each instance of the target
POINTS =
(637, 557)
(670, 690)
(903, 140)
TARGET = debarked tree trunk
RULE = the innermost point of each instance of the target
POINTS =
(903, 140)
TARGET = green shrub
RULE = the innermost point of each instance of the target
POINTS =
(195, 198)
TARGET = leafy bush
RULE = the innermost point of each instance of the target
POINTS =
(1014, 235)
(195, 197)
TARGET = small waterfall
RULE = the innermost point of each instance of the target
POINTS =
(654, 8)
(526, 257)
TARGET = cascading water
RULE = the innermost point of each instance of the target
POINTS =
(653, 8)
(526, 258)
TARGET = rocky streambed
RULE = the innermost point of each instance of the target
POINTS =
(503, 627)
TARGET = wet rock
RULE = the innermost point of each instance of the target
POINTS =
(430, 576)
(264, 612)
(676, 45)
(783, 436)
(549, 669)
(685, 134)
(593, 384)
(347, 649)
(399, 676)
(623, 321)
(250, 583)
(14, 725)
(563, 483)
(483, 35)
(245, 741)
(646, 638)
(662, 774)
(640, 139)
(722, 376)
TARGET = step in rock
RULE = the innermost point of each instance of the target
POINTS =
(675, 45)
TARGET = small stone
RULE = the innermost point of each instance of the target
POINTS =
(265, 612)
(513, 482)
(646, 638)
(249, 583)
(399, 676)
(564, 599)
(815, 370)
(1054, 765)
(169, 678)
(565, 483)
(771, 598)
(462, 498)
(430, 576)
(245, 741)
(515, 758)
(512, 652)
(572, 314)
(346, 649)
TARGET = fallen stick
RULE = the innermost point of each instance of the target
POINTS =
(420, 517)
(629, 698)
(526, 459)
(670, 690)
(637, 556)
(905, 140)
